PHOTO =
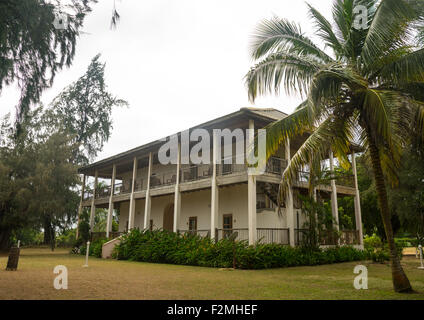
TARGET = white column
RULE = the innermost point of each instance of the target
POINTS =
(131, 215)
(80, 205)
(93, 207)
(251, 208)
(289, 201)
(314, 191)
(357, 202)
(214, 187)
(334, 205)
(177, 193)
(148, 202)
(110, 211)
(251, 192)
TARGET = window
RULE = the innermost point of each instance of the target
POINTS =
(228, 221)
(260, 201)
(192, 224)
(264, 202)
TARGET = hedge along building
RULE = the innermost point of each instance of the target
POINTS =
(211, 199)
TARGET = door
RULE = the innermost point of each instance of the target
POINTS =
(168, 218)
(192, 225)
(227, 225)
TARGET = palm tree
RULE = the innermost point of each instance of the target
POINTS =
(366, 85)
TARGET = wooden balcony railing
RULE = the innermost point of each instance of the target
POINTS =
(326, 238)
(242, 233)
(329, 237)
(264, 235)
(230, 165)
(88, 194)
(188, 173)
(103, 192)
(163, 179)
(349, 237)
(276, 165)
(299, 236)
(121, 188)
(273, 235)
(139, 185)
(234, 164)
(202, 233)
(196, 172)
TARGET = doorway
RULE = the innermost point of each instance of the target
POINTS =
(168, 218)
(227, 225)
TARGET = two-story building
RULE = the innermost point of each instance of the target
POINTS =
(210, 199)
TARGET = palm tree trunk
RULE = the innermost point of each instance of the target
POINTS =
(47, 230)
(400, 280)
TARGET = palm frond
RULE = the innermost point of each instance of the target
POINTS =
(327, 84)
(389, 28)
(333, 133)
(276, 35)
(343, 18)
(420, 36)
(292, 126)
(415, 90)
(388, 116)
(347, 28)
(325, 31)
(389, 168)
(408, 67)
(115, 17)
(420, 122)
(292, 71)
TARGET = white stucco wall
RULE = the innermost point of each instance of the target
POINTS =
(196, 204)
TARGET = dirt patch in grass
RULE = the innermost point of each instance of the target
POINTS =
(111, 279)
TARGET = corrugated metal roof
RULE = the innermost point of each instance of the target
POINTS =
(268, 112)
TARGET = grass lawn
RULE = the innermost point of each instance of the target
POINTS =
(111, 279)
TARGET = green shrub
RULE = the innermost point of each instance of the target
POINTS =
(161, 246)
(372, 242)
(378, 251)
(407, 242)
(95, 248)
(66, 239)
(28, 237)
(379, 255)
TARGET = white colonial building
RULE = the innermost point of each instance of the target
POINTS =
(211, 200)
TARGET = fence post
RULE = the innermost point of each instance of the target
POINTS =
(216, 235)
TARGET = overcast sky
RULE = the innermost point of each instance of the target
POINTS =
(178, 63)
